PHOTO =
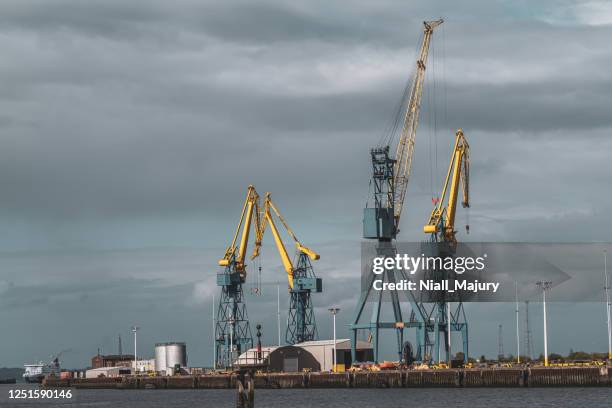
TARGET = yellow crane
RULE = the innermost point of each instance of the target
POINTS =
(441, 227)
(302, 281)
(441, 222)
(232, 330)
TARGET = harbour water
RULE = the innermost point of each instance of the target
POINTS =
(342, 398)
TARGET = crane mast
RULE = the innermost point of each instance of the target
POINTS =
(302, 281)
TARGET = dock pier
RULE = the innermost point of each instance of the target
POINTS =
(446, 378)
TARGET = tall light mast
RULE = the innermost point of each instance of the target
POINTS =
(135, 331)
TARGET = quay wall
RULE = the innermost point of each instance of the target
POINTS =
(447, 378)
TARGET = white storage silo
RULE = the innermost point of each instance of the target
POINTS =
(168, 355)
(176, 353)
(160, 358)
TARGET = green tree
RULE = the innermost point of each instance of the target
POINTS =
(555, 357)
(579, 355)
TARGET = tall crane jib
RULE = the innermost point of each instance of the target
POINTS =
(233, 332)
(391, 176)
(301, 279)
(381, 221)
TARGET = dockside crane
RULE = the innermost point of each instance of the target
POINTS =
(442, 233)
(441, 224)
(302, 281)
(232, 330)
(381, 222)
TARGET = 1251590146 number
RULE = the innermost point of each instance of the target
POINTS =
(40, 394)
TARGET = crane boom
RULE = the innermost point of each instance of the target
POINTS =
(405, 146)
(250, 208)
(442, 218)
(266, 218)
(301, 325)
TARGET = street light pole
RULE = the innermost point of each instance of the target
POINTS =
(334, 311)
(278, 313)
(214, 322)
(135, 331)
(449, 320)
(518, 337)
(545, 285)
(607, 288)
(231, 350)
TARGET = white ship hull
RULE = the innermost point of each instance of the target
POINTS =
(35, 373)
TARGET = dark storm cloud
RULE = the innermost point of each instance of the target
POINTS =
(110, 18)
(102, 121)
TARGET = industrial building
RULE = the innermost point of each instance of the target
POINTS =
(112, 360)
(108, 372)
(280, 359)
(144, 366)
(323, 351)
(310, 356)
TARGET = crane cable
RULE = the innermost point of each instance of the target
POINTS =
(432, 115)
(387, 137)
(429, 129)
(256, 277)
(435, 99)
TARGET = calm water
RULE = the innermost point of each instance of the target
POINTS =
(446, 398)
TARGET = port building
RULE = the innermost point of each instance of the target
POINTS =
(108, 372)
(112, 360)
(323, 351)
(307, 356)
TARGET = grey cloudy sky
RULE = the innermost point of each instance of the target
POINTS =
(130, 130)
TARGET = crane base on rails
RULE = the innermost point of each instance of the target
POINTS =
(233, 330)
(434, 334)
(374, 299)
(301, 325)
